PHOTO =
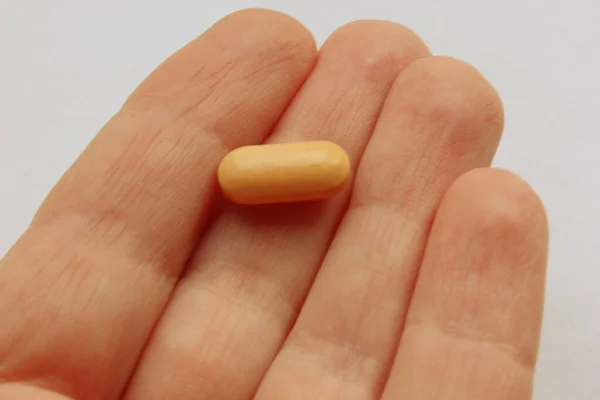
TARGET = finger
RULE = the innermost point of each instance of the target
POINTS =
(86, 283)
(474, 322)
(235, 305)
(441, 118)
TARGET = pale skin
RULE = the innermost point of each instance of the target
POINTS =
(423, 280)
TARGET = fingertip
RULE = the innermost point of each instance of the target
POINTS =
(498, 204)
(255, 26)
(498, 191)
(375, 48)
(454, 91)
(251, 40)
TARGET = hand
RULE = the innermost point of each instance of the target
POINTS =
(423, 281)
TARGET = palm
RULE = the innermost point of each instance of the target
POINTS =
(135, 280)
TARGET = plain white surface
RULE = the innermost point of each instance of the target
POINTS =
(66, 67)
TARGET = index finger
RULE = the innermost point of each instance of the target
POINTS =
(85, 284)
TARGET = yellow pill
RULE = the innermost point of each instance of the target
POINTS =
(284, 173)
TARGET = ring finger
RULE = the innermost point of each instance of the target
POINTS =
(440, 119)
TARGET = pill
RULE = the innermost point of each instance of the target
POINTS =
(284, 173)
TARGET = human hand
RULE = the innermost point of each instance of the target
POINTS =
(424, 280)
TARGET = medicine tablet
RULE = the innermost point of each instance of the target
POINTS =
(284, 173)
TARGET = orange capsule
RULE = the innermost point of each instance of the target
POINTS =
(284, 173)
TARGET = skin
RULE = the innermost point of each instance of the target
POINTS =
(423, 280)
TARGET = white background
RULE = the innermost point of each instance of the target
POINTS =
(66, 66)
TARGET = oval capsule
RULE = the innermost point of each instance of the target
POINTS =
(284, 173)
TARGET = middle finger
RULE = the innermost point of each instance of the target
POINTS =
(236, 304)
